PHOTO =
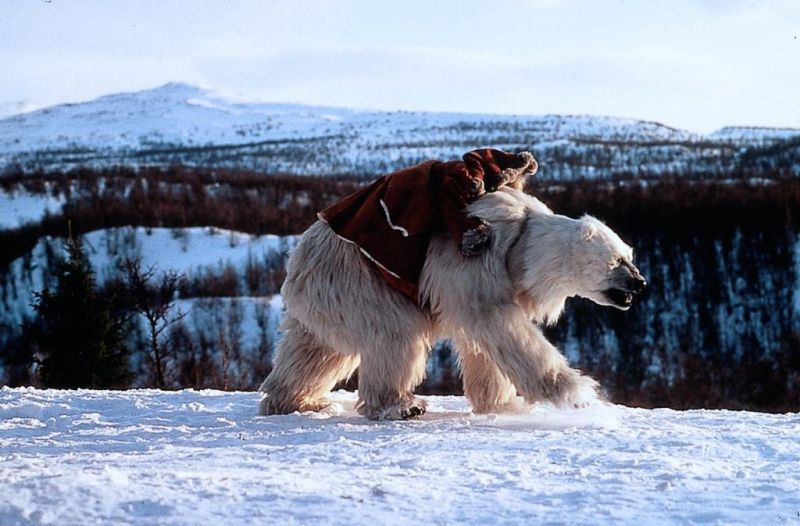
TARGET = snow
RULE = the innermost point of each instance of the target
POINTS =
(185, 114)
(175, 113)
(189, 251)
(756, 133)
(20, 207)
(188, 457)
(182, 250)
(182, 124)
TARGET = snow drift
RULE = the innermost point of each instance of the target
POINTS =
(189, 457)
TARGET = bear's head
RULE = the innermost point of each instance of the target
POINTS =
(603, 266)
(550, 257)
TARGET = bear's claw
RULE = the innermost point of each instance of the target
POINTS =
(412, 412)
(405, 409)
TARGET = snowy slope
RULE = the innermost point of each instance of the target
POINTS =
(150, 457)
(173, 113)
(21, 207)
(754, 133)
(178, 113)
(189, 251)
(179, 123)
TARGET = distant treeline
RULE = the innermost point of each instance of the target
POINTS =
(678, 207)
(719, 327)
(287, 204)
(171, 197)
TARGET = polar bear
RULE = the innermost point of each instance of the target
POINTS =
(341, 315)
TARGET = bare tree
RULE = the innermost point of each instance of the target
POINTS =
(153, 298)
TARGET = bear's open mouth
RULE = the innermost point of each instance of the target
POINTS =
(620, 298)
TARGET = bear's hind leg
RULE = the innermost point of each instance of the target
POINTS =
(304, 371)
(486, 387)
(389, 372)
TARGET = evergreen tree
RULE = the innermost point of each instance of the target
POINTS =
(80, 342)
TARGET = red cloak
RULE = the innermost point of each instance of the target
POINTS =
(392, 219)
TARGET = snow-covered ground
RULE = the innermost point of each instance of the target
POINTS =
(150, 457)
(21, 207)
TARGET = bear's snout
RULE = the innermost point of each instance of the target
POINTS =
(632, 279)
(626, 284)
(636, 284)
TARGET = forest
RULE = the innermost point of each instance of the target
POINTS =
(719, 327)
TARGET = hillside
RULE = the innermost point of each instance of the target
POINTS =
(182, 124)
(203, 457)
(719, 326)
(227, 291)
(713, 219)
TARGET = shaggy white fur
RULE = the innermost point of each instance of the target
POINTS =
(340, 315)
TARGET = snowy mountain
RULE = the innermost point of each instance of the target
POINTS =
(183, 124)
(203, 457)
(8, 109)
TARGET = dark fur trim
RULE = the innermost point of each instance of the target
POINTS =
(515, 176)
(475, 240)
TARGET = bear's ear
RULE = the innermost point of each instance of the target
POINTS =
(588, 230)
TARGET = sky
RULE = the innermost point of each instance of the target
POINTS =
(694, 64)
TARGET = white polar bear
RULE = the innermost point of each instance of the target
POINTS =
(341, 315)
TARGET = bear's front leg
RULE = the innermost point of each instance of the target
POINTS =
(527, 359)
(485, 386)
(389, 372)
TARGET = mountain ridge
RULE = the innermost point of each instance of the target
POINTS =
(192, 91)
(179, 123)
